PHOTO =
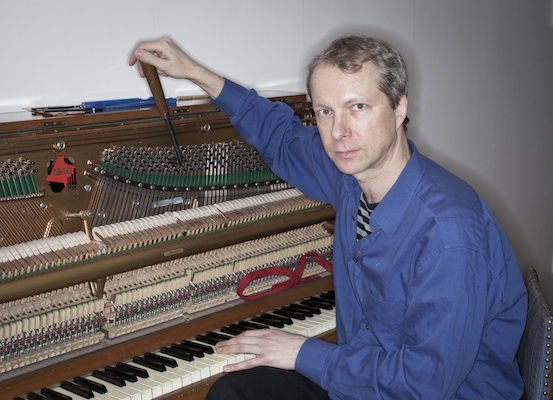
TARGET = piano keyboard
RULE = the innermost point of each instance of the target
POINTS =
(177, 366)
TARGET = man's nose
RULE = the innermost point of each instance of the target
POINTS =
(340, 127)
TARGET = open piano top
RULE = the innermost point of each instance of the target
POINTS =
(110, 249)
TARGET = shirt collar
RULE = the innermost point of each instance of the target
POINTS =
(390, 211)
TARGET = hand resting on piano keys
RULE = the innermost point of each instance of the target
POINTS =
(272, 348)
(176, 367)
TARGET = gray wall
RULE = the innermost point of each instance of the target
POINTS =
(480, 99)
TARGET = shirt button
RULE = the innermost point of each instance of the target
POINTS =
(354, 259)
(367, 327)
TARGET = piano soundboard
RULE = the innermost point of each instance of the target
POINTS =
(118, 262)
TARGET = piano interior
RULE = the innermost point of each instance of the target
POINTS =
(116, 258)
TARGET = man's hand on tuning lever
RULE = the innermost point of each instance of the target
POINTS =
(166, 56)
(170, 60)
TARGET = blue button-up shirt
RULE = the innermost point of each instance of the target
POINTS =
(431, 305)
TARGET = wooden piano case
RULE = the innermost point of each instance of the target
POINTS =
(76, 143)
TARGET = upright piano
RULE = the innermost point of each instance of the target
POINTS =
(117, 258)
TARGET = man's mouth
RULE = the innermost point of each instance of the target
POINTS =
(345, 154)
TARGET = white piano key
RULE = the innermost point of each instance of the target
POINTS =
(186, 376)
(120, 393)
(215, 362)
(155, 387)
(145, 390)
(158, 383)
(202, 367)
(174, 380)
(315, 325)
(205, 366)
(151, 387)
(192, 372)
(97, 396)
(330, 317)
(177, 376)
(298, 327)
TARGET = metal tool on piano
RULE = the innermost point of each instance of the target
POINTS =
(109, 249)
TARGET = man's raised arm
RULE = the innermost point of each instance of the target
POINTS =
(170, 60)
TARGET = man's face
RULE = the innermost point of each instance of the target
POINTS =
(360, 131)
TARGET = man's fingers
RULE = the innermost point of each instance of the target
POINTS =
(239, 345)
(271, 347)
(247, 364)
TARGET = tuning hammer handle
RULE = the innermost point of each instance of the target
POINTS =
(157, 92)
(155, 86)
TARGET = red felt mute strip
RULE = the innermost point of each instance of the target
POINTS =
(294, 277)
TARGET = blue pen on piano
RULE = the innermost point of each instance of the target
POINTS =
(124, 104)
(104, 105)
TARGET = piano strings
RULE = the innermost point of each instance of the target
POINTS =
(20, 199)
(140, 182)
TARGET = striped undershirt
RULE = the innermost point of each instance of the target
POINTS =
(364, 216)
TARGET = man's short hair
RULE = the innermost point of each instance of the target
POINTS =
(350, 53)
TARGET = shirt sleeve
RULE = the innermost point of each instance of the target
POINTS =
(293, 151)
(444, 321)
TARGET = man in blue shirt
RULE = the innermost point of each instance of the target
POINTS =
(430, 299)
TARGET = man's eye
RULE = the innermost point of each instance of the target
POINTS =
(359, 106)
(323, 113)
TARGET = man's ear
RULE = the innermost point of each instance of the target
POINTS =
(401, 111)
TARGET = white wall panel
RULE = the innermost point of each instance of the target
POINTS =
(480, 95)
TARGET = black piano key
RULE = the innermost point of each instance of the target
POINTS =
(169, 362)
(141, 372)
(207, 339)
(199, 346)
(219, 336)
(233, 330)
(115, 380)
(77, 389)
(330, 302)
(311, 309)
(36, 396)
(282, 318)
(195, 351)
(289, 313)
(325, 305)
(239, 327)
(252, 325)
(181, 354)
(126, 375)
(328, 295)
(150, 363)
(92, 385)
(53, 395)
(267, 321)
(305, 313)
